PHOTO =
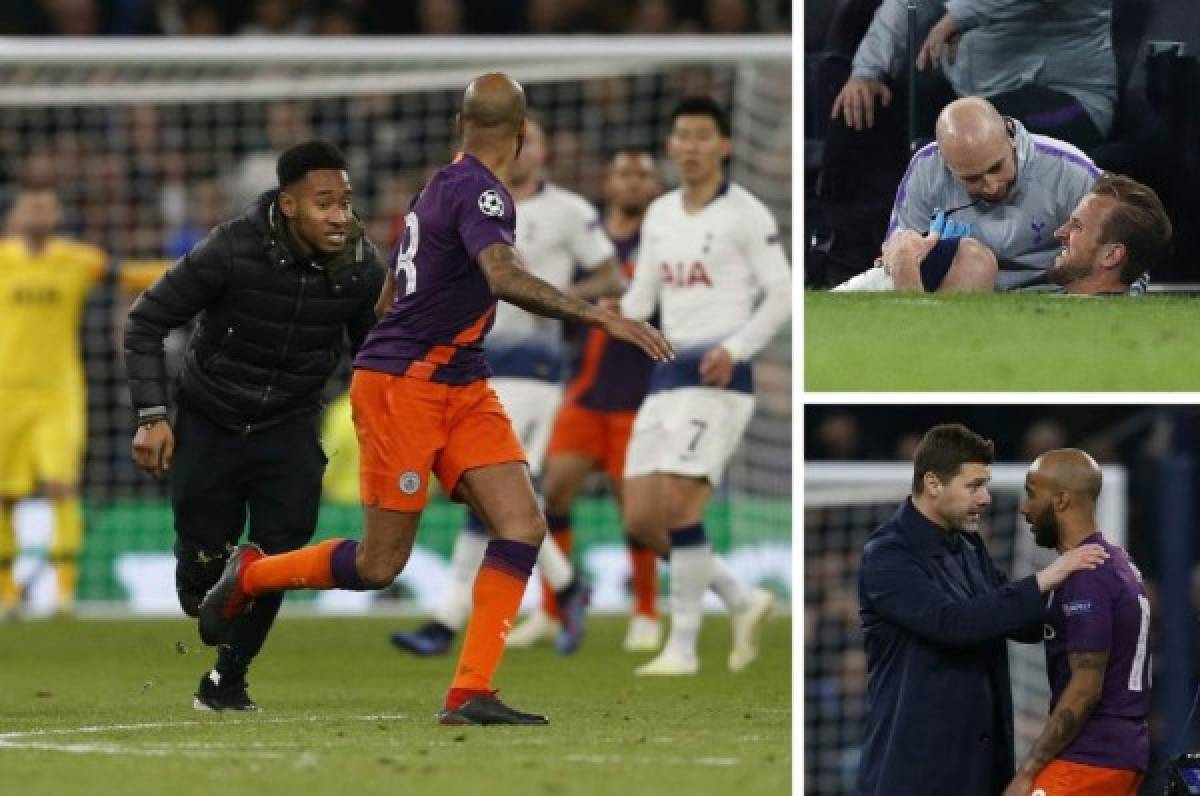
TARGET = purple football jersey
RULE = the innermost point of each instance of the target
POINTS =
(443, 306)
(1105, 610)
(611, 375)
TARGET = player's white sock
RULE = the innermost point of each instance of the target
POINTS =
(732, 591)
(554, 565)
(870, 280)
(455, 606)
(691, 573)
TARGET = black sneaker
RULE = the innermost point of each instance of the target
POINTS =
(487, 710)
(431, 638)
(214, 693)
(226, 601)
(572, 607)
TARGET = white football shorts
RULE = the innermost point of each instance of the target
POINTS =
(532, 406)
(690, 431)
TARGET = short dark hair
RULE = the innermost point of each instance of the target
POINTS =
(632, 150)
(704, 106)
(297, 161)
(1139, 222)
(945, 449)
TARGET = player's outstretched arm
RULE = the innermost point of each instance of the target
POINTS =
(603, 282)
(1066, 720)
(512, 283)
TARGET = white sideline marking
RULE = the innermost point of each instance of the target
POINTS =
(609, 760)
(28, 739)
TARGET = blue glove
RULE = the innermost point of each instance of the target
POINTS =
(939, 221)
(945, 228)
(955, 229)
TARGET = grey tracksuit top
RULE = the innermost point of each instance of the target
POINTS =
(1065, 46)
(1052, 176)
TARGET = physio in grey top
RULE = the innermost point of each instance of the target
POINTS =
(1011, 187)
(998, 46)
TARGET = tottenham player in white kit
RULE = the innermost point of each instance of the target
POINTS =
(557, 230)
(712, 261)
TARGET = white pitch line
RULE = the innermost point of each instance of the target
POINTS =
(609, 760)
(27, 740)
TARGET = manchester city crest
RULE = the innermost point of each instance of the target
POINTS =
(409, 483)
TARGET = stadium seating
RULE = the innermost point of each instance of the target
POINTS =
(1154, 136)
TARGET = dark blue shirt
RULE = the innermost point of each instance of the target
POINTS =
(935, 613)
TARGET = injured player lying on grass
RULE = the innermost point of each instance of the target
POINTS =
(1114, 235)
(1029, 212)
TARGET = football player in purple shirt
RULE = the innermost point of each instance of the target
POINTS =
(422, 405)
(1097, 624)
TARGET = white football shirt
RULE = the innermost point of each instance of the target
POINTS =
(556, 230)
(707, 271)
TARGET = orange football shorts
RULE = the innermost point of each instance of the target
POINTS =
(1064, 778)
(408, 428)
(603, 436)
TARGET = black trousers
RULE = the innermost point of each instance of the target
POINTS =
(218, 480)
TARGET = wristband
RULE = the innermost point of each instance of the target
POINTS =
(151, 415)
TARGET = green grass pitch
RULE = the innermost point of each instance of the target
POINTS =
(1000, 342)
(104, 707)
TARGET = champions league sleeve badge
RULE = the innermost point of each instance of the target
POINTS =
(490, 204)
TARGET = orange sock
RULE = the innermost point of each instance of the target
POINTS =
(645, 581)
(562, 538)
(496, 597)
(307, 568)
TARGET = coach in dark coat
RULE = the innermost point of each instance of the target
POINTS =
(936, 612)
(279, 291)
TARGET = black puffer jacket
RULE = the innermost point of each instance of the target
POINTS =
(271, 328)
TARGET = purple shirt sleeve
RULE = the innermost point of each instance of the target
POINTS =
(1087, 612)
(485, 216)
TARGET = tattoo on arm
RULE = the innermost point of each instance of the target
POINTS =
(509, 281)
(1088, 661)
(1072, 710)
(606, 280)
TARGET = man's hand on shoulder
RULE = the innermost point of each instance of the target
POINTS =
(1087, 556)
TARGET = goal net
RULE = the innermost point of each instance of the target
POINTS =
(152, 142)
(843, 504)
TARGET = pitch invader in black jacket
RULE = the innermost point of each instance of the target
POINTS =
(278, 291)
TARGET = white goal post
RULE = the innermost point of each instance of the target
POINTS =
(836, 483)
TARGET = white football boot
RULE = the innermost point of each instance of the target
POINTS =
(747, 627)
(644, 634)
(669, 664)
